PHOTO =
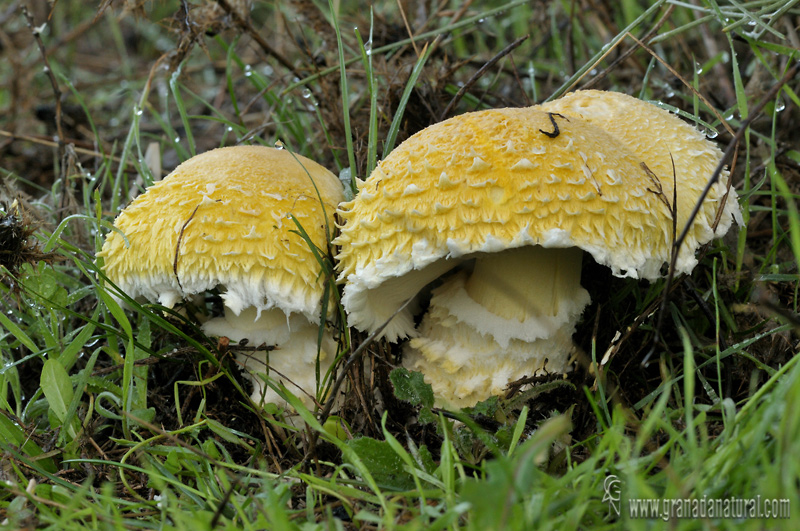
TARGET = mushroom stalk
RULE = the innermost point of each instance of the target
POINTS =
(292, 361)
(527, 282)
(514, 316)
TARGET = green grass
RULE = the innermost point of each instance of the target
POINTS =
(120, 415)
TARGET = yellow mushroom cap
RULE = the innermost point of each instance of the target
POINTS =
(493, 180)
(661, 139)
(223, 218)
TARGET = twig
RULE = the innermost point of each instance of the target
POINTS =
(178, 246)
(39, 139)
(408, 27)
(630, 51)
(589, 69)
(323, 416)
(36, 32)
(524, 92)
(482, 70)
(265, 46)
(688, 85)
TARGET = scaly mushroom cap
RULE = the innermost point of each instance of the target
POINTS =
(222, 218)
(494, 180)
(661, 139)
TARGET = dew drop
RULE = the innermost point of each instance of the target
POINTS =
(248, 71)
(306, 93)
(279, 145)
(368, 47)
(779, 106)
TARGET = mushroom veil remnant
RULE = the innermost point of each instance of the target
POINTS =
(499, 205)
(223, 219)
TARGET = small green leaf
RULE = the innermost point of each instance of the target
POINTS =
(173, 462)
(383, 463)
(411, 387)
(43, 283)
(144, 414)
(211, 450)
(337, 427)
(486, 407)
(226, 433)
(426, 416)
(57, 388)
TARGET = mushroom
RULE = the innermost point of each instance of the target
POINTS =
(509, 199)
(226, 219)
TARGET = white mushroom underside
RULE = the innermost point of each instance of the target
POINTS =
(238, 294)
(375, 291)
(370, 309)
(293, 362)
(469, 353)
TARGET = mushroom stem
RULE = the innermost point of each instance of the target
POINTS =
(293, 363)
(295, 355)
(513, 317)
(526, 282)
